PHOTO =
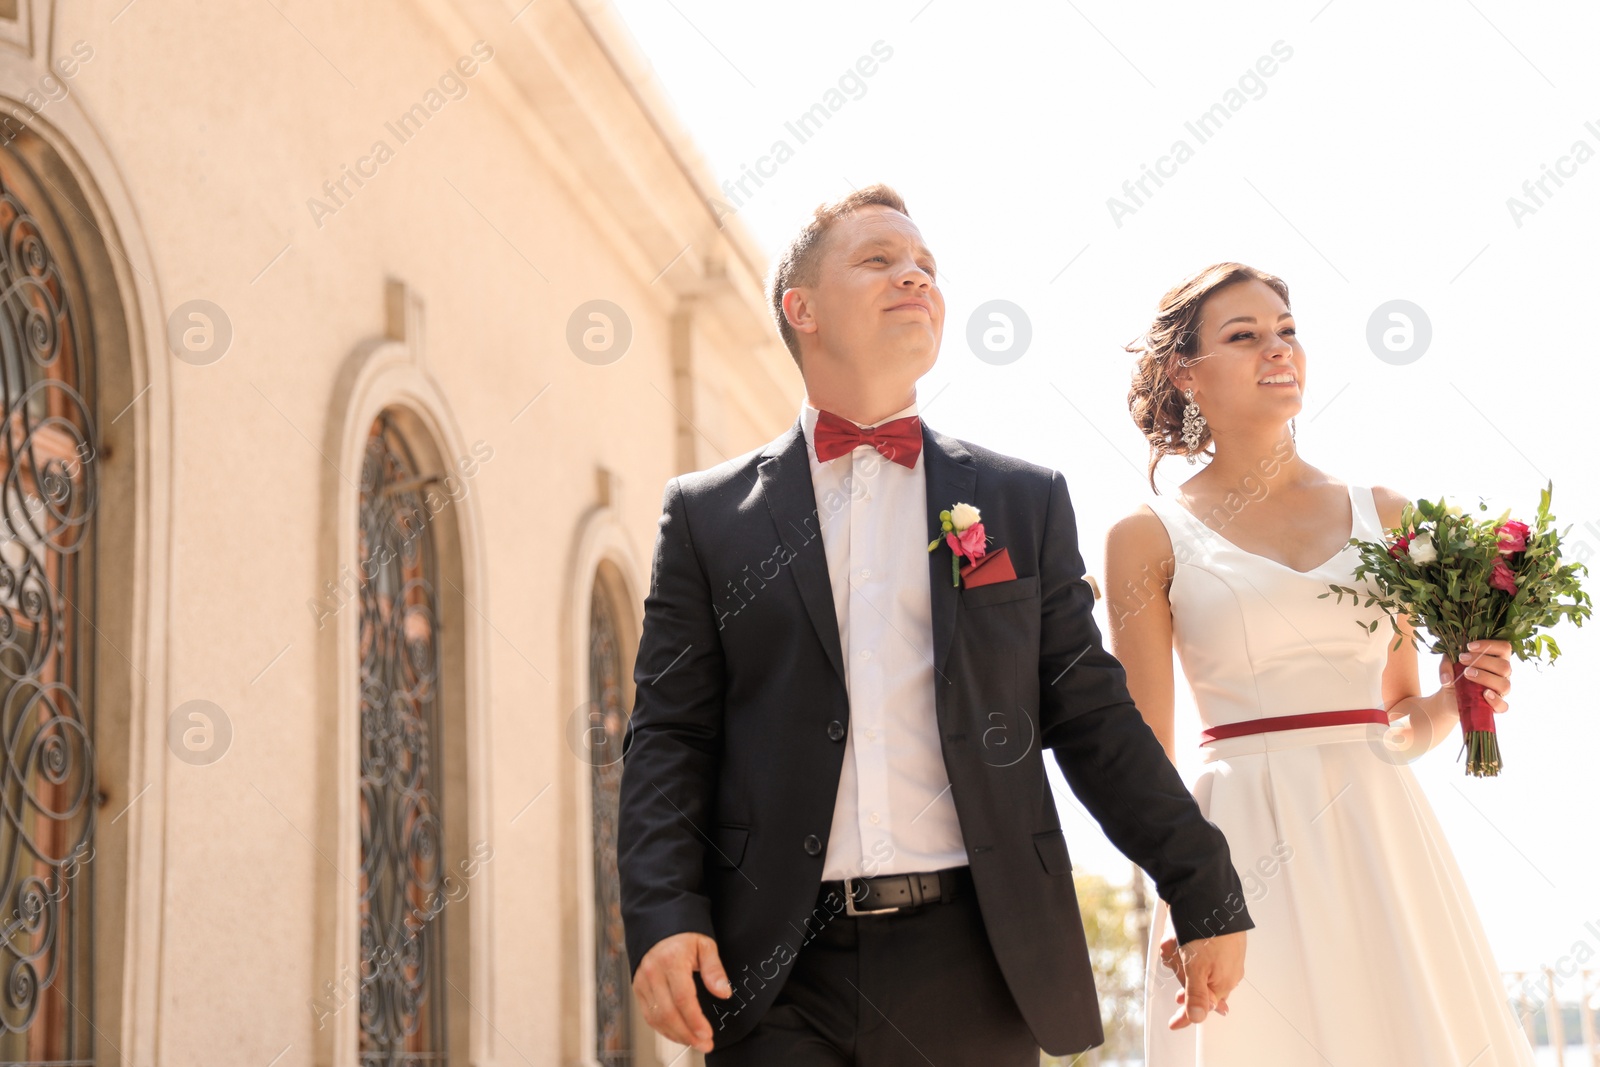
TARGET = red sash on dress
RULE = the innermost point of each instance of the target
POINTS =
(1293, 722)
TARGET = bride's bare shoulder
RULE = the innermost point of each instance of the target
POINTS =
(1389, 502)
(1139, 537)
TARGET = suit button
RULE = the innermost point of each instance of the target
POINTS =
(836, 730)
(813, 845)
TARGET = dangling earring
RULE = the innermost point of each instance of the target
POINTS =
(1291, 430)
(1194, 425)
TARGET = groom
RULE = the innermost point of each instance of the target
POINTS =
(837, 841)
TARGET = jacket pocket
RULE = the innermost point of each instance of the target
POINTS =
(1000, 592)
(727, 845)
(1052, 848)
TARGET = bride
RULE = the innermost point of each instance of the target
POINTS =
(1367, 949)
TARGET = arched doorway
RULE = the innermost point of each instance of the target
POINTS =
(50, 780)
(403, 1018)
(610, 668)
(417, 868)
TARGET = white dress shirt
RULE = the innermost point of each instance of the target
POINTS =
(894, 813)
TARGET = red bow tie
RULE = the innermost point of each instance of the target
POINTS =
(899, 440)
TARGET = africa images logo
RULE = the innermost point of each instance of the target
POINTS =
(851, 85)
(1203, 128)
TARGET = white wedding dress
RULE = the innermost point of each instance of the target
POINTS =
(1366, 951)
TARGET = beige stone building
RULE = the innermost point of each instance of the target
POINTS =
(346, 349)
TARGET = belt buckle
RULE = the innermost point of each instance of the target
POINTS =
(850, 901)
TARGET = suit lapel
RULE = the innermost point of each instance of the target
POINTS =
(785, 472)
(952, 475)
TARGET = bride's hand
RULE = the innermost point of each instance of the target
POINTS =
(1209, 969)
(1175, 962)
(1488, 663)
(1171, 958)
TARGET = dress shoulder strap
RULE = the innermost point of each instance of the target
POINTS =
(1188, 534)
(1365, 503)
(1164, 511)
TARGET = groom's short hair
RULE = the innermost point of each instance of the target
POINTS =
(798, 263)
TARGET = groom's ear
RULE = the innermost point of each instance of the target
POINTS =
(797, 309)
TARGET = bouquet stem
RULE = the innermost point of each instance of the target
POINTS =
(1477, 725)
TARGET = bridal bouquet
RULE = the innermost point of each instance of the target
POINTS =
(1470, 579)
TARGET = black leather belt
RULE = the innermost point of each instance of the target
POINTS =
(888, 893)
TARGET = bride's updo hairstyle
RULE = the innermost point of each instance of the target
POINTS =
(1171, 342)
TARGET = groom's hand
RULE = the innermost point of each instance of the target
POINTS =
(664, 987)
(1209, 968)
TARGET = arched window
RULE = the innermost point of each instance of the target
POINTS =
(402, 885)
(609, 667)
(47, 604)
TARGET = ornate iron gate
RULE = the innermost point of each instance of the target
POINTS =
(402, 846)
(47, 497)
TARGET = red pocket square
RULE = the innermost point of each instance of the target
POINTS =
(993, 567)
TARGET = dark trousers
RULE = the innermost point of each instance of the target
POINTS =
(916, 988)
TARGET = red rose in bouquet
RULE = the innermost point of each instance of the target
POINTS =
(1513, 536)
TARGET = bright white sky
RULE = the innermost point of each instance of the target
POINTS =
(1374, 164)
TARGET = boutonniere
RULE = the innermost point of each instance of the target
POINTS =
(962, 528)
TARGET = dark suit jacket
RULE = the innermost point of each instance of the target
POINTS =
(731, 769)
